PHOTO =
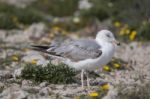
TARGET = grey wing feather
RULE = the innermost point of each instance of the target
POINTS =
(77, 50)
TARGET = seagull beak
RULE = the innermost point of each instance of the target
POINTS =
(116, 42)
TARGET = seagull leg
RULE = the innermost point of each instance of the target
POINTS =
(82, 78)
(88, 80)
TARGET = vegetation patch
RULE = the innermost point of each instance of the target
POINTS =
(56, 74)
(59, 8)
(12, 17)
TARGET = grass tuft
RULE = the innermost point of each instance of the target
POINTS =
(56, 74)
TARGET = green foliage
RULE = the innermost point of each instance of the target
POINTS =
(11, 16)
(131, 11)
(144, 32)
(97, 11)
(127, 11)
(5, 62)
(56, 74)
(6, 22)
(28, 16)
(56, 7)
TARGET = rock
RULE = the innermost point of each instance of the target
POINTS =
(67, 91)
(26, 83)
(31, 90)
(17, 36)
(43, 84)
(60, 87)
(17, 72)
(42, 62)
(3, 34)
(46, 91)
(19, 95)
(1, 87)
(33, 96)
(34, 55)
(35, 30)
(21, 36)
(13, 92)
(4, 74)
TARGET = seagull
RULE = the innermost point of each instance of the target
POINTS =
(84, 54)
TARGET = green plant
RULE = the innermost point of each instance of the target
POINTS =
(6, 22)
(55, 74)
(97, 11)
(11, 16)
(57, 8)
(144, 32)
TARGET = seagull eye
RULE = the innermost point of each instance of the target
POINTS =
(108, 35)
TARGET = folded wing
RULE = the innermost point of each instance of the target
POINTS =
(74, 50)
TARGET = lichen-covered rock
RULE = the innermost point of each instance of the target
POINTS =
(35, 56)
(13, 92)
(5, 74)
(35, 31)
(46, 91)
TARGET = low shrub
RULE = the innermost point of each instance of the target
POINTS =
(56, 74)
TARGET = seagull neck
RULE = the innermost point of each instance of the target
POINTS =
(103, 43)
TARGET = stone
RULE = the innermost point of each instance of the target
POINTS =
(34, 55)
(46, 91)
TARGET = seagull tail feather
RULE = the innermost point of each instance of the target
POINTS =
(42, 48)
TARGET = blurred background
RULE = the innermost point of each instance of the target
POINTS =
(129, 19)
(27, 74)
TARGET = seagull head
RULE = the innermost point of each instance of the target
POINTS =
(107, 36)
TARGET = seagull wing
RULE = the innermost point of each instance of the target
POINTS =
(74, 50)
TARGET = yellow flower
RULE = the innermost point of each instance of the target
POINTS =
(64, 33)
(15, 58)
(34, 61)
(117, 24)
(26, 49)
(76, 97)
(132, 35)
(122, 32)
(105, 87)
(127, 31)
(106, 68)
(56, 28)
(93, 94)
(116, 65)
